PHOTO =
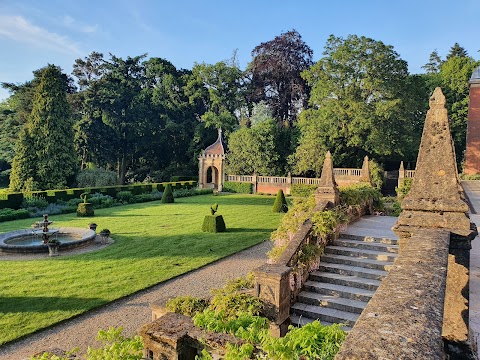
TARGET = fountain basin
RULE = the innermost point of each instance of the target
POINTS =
(25, 241)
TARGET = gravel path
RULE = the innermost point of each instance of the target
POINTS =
(133, 311)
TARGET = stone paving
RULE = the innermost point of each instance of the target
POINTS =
(472, 190)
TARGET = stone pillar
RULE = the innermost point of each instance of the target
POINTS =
(201, 171)
(472, 155)
(254, 183)
(327, 188)
(435, 201)
(365, 173)
(288, 189)
(401, 175)
(272, 285)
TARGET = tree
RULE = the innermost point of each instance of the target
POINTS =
(434, 63)
(457, 51)
(359, 105)
(275, 75)
(45, 148)
(219, 88)
(258, 150)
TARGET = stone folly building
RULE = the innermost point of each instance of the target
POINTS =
(211, 165)
(472, 164)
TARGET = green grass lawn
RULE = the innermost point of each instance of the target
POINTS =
(153, 242)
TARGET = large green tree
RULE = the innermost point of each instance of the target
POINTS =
(359, 105)
(45, 155)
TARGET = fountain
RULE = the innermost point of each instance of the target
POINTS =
(39, 239)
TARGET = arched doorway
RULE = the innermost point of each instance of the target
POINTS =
(212, 177)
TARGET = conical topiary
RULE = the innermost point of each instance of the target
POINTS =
(280, 204)
(167, 196)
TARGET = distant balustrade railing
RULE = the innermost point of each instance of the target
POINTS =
(306, 181)
(239, 178)
(272, 179)
(410, 174)
(347, 172)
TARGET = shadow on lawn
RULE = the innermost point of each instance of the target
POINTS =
(40, 304)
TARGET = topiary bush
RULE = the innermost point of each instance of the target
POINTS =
(85, 209)
(280, 204)
(167, 196)
(213, 224)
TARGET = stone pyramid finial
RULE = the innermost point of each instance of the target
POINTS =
(327, 187)
(402, 168)
(435, 199)
(365, 177)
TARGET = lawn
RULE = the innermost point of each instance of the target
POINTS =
(153, 242)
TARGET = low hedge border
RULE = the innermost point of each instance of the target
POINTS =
(14, 200)
(238, 187)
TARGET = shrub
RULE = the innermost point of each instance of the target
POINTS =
(404, 188)
(85, 210)
(186, 305)
(238, 187)
(11, 214)
(303, 190)
(376, 174)
(469, 177)
(213, 224)
(34, 201)
(167, 195)
(124, 196)
(100, 200)
(96, 177)
(358, 194)
(280, 204)
(178, 193)
(183, 178)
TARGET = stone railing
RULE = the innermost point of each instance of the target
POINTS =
(271, 184)
(409, 174)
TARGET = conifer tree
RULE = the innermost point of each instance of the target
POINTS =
(47, 141)
(167, 196)
(280, 204)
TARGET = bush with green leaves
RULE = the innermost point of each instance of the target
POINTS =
(167, 196)
(280, 204)
(326, 222)
(303, 190)
(404, 188)
(124, 196)
(115, 346)
(358, 194)
(186, 305)
(376, 174)
(33, 201)
(85, 210)
(100, 200)
(11, 214)
(213, 224)
(238, 187)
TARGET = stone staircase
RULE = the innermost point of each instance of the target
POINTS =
(349, 273)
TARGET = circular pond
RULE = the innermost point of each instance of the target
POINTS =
(26, 241)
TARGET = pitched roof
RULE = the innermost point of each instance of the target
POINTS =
(218, 147)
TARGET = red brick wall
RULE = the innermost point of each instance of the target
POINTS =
(271, 188)
(472, 165)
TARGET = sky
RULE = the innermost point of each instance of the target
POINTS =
(36, 33)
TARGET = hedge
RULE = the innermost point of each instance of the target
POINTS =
(11, 214)
(303, 190)
(177, 178)
(14, 200)
(238, 187)
(213, 224)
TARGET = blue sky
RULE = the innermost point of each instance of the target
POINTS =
(35, 33)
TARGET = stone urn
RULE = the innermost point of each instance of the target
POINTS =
(53, 247)
(92, 226)
(104, 234)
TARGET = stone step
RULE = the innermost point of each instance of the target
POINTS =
(346, 280)
(330, 301)
(361, 253)
(325, 314)
(300, 321)
(357, 244)
(350, 260)
(352, 270)
(347, 292)
(369, 239)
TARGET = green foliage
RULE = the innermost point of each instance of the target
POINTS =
(213, 208)
(325, 222)
(404, 188)
(85, 210)
(280, 204)
(376, 174)
(34, 201)
(10, 214)
(469, 177)
(311, 341)
(178, 193)
(125, 196)
(303, 190)
(213, 224)
(238, 187)
(358, 194)
(114, 347)
(167, 196)
(45, 150)
(96, 177)
(186, 305)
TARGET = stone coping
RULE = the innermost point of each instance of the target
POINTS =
(85, 237)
